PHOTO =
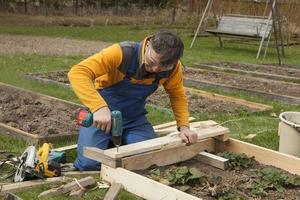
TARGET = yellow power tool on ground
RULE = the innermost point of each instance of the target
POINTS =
(34, 163)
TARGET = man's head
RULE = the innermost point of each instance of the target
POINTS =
(163, 51)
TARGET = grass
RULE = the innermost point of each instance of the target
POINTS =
(205, 50)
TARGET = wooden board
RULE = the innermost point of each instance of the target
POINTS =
(21, 186)
(113, 191)
(142, 186)
(213, 67)
(285, 98)
(213, 160)
(167, 156)
(265, 156)
(193, 125)
(249, 104)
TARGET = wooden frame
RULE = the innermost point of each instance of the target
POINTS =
(32, 138)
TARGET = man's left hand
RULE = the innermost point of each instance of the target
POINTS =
(188, 135)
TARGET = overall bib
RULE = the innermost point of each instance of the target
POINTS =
(128, 98)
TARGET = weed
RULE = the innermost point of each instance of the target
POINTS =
(272, 179)
(237, 161)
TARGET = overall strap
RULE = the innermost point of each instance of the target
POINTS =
(128, 50)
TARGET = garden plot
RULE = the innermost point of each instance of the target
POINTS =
(287, 73)
(34, 116)
(199, 101)
(244, 179)
(163, 166)
(276, 90)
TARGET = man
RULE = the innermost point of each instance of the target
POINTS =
(121, 77)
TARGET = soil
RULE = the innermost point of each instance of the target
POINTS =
(34, 115)
(289, 71)
(197, 104)
(230, 181)
(12, 44)
(245, 82)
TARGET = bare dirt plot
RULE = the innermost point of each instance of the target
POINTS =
(197, 103)
(244, 82)
(242, 182)
(12, 44)
(35, 115)
(287, 71)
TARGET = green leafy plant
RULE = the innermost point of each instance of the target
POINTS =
(271, 178)
(178, 176)
(237, 161)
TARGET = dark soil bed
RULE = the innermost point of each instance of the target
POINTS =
(237, 183)
(197, 104)
(36, 115)
(245, 82)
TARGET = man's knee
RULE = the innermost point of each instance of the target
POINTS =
(86, 164)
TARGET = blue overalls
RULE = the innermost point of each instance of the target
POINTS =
(128, 98)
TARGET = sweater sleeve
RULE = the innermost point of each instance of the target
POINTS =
(82, 75)
(174, 87)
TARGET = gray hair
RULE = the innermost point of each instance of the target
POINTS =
(168, 45)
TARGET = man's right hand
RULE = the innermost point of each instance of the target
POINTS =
(102, 119)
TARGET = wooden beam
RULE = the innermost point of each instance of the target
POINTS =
(199, 125)
(265, 156)
(142, 186)
(74, 185)
(167, 156)
(21, 186)
(113, 191)
(66, 148)
(169, 124)
(99, 155)
(166, 142)
(213, 160)
(80, 173)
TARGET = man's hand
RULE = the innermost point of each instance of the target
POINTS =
(102, 119)
(188, 135)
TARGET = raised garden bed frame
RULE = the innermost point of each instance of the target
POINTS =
(194, 83)
(213, 138)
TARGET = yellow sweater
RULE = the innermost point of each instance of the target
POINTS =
(101, 70)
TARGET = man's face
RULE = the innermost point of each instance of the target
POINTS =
(152, 61)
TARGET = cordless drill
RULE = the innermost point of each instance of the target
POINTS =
(85, 119)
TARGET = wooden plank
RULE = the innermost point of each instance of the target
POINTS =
(253, 105)
(66, 148)
(290, 99)
(143, 186)
(212, 67)
(166, 142)
(169, 124)
(72, 186)
(167, 156)
(80, 173)
(213, 160)
(21, 186)
(265, 156)
(200, 124)
(99, 155)
(113, 191)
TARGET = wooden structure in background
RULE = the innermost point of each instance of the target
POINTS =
(243, 26)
